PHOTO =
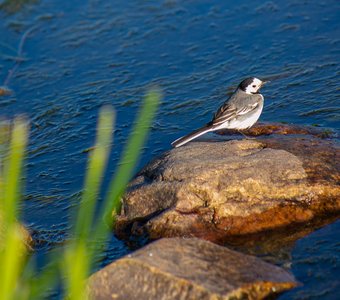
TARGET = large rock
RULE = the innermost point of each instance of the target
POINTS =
(188, 269)
(222, 189)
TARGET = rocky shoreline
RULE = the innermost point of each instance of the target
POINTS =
(273, 190)
(222, 189)
(178, 268)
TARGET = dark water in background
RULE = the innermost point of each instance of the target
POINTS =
(80, 55)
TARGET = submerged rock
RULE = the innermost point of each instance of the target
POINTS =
(188, 269)
(222, 189)
(4, 91)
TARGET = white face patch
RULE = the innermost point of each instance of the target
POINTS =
(254, 86)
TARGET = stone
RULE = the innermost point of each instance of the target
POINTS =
(282, 129)
(230, 188)
(5, 91)
(179, 268)
(24, 234)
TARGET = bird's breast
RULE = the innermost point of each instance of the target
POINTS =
(248, 121)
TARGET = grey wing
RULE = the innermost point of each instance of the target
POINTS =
(229, 111)
(225, 113)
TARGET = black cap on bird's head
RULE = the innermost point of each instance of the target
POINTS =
(251, 85)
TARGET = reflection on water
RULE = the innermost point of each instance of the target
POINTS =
(83, 54)
(316, 263)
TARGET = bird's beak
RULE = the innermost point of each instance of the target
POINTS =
(265, 82)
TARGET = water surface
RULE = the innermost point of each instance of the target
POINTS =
(79, 55)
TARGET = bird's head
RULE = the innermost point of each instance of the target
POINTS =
(251, 85)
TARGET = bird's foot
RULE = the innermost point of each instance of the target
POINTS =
(246, 136)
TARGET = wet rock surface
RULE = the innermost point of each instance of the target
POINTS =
(283, 129)
(222, 189)
(188, 269)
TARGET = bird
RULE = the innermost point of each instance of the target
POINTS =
(239, 112)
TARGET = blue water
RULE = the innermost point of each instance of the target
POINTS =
(80, 55)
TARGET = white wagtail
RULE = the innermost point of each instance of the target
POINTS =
(241, 111)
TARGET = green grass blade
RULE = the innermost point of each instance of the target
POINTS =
(76, 268)
(37, 285)
(124, 172)
(12, 262)
(12, 169)
(77, 255)
(12, 254)
(75, 261)
(96, 168)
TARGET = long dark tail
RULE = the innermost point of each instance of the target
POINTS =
(187, 138)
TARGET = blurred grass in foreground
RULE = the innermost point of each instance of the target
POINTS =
(72, 263)
(12, 246)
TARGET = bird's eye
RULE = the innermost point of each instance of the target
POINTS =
(254, 86)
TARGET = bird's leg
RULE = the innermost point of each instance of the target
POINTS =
(246, 136)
